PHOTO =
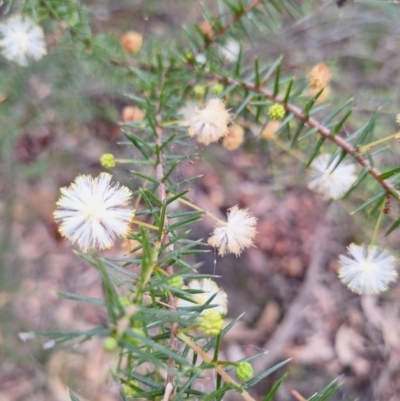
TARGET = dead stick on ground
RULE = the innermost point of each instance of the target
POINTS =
(287, 329)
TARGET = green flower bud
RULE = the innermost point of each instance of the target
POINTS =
(128, 388)
(110, 344)
(176, 282)
(276, 112)
(135, 341)
(244, 371)
(124, 301)
(199, 90)
(188, 55)
(217, 88)
(210, 322)
(107, 160)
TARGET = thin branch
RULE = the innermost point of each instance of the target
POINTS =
(162, 193)
(217, 367)
(321, 129)
(236, 17)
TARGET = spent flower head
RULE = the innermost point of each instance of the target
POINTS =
(206, 27)
(132, 113)
(131, 42)
(22, 40)
(319, 76)
(270, 129)
(210, 123)
(331, 182)
(367, 269)
(236, 234)
(209, 288)
(323, 96)
(93, 212)
(234, 138)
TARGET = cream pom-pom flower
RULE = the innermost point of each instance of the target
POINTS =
(209, 288)
(230, 50)
(236, 234)
(368, 270)
(22, 40)
(329, 182)
(187, 111)
(210, 123)
(93, 212)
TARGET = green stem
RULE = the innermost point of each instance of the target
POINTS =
(220, 370)
(215, 359)
(190, 204)
(368, 146)
(141, 223)
(378, 224)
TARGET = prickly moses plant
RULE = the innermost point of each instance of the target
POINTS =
(166, 321)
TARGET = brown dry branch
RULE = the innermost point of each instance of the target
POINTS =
(235, 18)
(325, 132)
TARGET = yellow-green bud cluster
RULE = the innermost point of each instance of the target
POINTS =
(244, 371)
(276, 112)
(176, 282)
(199, 90)
(188, 55)
(110, 344)
(128, 388)
(217, 88)
(107, 160)
(124, 301)
(210, 322)
(135, 341)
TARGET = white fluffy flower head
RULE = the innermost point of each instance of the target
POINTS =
(93, 212)
(332, 184)
(237, 234)
(188, 111)
(209, 288)
(230, 50)
(368, 270)
(22, 40)
(210, 123)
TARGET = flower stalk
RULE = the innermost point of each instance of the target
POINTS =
(368, 146)
(378, 223)
(220, 370)
(193, 206)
